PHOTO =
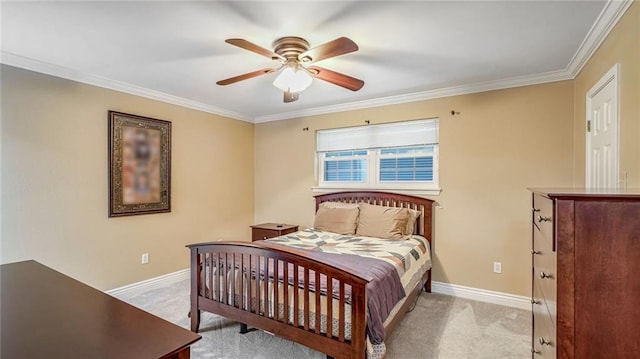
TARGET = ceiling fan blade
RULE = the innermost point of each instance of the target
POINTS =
(246, 76)
(291, 96)
(244, 44)
(339, 46)
(336, 78)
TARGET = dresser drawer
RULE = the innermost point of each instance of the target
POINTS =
(543, 218)
(541, 306)
(538, 304)
(544, 337)
(543, 255)
(547, 286)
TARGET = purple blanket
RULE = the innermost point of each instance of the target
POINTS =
(384, 289)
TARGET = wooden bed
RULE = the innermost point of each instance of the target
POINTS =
(243, 295)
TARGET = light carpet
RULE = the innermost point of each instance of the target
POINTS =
(440, 327)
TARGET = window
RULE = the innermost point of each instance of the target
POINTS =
(406, 164)
(345, 166)
(398, 156)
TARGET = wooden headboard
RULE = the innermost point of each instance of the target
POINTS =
(424, 205)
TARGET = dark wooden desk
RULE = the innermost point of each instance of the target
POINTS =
(46, 314)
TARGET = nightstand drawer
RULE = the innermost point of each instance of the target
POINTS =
(259, 234)
(270, 230)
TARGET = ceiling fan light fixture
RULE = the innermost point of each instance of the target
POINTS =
(292, 52)
(293, 79)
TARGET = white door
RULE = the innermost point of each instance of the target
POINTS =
(602, 132)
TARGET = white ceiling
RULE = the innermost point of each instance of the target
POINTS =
(175, 51)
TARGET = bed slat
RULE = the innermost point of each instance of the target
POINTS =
(316, 294)
(329, 306)
(233, 280)
(218, 277)
(285, 305)
(296, 296)
(275, 290)
(341, 320)
(265, 281)
(306, 299)
(225, 275)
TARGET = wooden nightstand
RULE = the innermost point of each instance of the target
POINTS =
(270, 230)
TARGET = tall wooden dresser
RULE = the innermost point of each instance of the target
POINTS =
(586, 274)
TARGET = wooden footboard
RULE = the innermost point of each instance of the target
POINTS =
(275, 290)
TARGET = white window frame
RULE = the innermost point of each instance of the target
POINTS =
(322, 161)
(407, 184)
(373, 174)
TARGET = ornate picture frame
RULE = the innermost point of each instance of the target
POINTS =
(139, 165)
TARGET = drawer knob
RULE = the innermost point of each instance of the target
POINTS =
(533, 301)
(544, 275)
(543, 341)
(536, 209)
(265, 237)
(534, 252)
(543, 218)
(533, 351)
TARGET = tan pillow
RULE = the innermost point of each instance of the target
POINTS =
(337, 220)
(411, 221)
(382, 222)
(331, 204)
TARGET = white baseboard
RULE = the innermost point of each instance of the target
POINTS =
(134, 289)
(454, 290)
(482, 295)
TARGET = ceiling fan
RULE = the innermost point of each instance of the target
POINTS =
(294, 56)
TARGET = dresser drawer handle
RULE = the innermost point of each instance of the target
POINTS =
(533, 301)
(544, 275)
(544, 341)
(533, 351)
(536, 209)
(534, 252)
(543, 218)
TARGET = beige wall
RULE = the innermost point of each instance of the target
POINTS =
(54, 171)
(54, 182)
(622, 46)
(502, 142)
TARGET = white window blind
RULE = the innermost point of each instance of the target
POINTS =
(393, 156)
(409, 133)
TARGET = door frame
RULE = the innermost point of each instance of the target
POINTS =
(613, 75)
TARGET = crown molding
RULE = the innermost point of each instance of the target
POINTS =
(519, 81)
(606, 21)
(79, 76)
(608, 18)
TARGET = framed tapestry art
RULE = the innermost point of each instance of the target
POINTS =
(139, 165)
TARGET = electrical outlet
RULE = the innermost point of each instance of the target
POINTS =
(497, 267)
(145, 258)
